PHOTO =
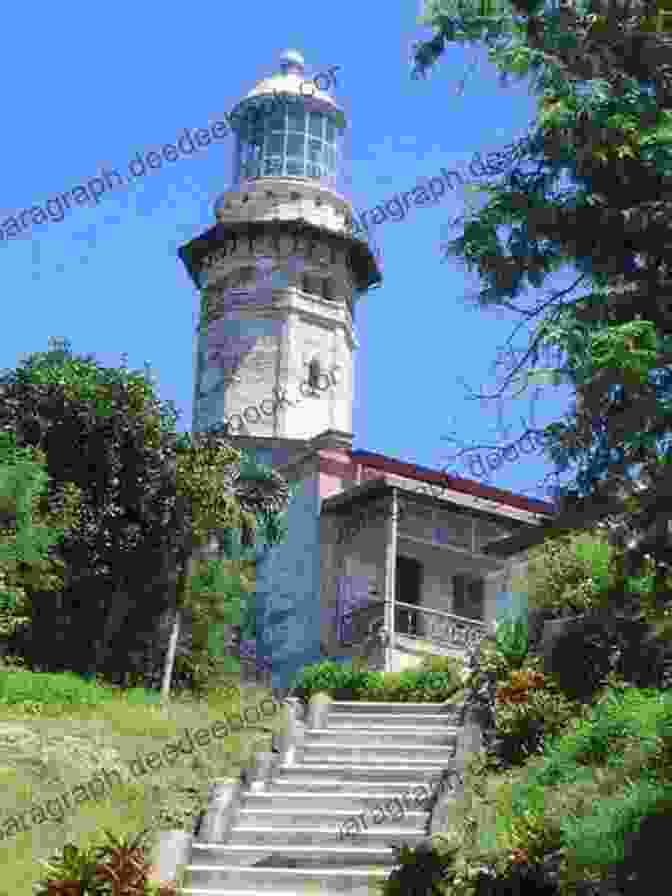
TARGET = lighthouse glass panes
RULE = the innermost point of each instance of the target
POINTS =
(289, 141)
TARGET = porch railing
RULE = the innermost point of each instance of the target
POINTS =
(365, 621)
(445, 629)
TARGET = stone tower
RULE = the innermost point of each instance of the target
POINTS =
(280, 272)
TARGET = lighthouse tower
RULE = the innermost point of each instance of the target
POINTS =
(280, 272)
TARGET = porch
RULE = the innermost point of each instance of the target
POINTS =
(416, 632)
(406, 574)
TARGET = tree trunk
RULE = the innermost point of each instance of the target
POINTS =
(187, 570)
(118, 610)
(170, 656)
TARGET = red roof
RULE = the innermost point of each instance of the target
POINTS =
(467, 486)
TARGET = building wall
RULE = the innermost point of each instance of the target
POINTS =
(262, 338)
(288, 587)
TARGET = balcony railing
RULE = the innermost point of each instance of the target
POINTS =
(444, 629)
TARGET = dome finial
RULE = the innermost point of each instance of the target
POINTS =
(292, 61)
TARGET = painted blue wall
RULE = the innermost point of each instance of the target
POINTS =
(288, 590)
(510, 605)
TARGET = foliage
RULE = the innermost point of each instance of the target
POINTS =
(27, 535)
(340, 680)
(420, 872)
(149, 497)
(18, 686)
(512, 640)
(581, 657)
(529, 709)
(491, 660)
(572, 817)
(520, 705)
(571, 574)
(435, 680)
(584, 190)
(120, 867)
(72, 742)
(621, 746)
(418, 685)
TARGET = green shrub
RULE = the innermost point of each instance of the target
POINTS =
(32, 690)
(513, 642)
(571, 574)
(419, 685)
(596, 782)
(597, 841)
(590, 649)
(63, 688)
(436, 680)
(420, 871)
(529, 710)
(340, 681)
(620, 715)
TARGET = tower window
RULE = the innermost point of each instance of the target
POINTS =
(327, 288)
(314, 373)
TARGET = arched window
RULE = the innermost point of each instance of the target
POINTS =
(327, 288)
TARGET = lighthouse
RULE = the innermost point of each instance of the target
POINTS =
(280, 272)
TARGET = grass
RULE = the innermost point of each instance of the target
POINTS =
(57, 731)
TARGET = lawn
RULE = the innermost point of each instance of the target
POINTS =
(57, 732)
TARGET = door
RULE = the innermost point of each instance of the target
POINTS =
(408, 588)
(468, 597)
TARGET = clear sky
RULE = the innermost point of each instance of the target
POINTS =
(94, 85)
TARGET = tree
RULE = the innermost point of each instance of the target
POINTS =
(28, 534)
(217, 497)
(104, 430)
(589, 187)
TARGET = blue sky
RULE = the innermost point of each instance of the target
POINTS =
(96, 85)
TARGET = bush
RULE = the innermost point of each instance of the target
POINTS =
(590, 649)
(420, 871)
(62, 688)
(529, 710)
(340, 681)
(571, 574)
(121, 862)
(490, 663)
(436, 680)
(597, 782)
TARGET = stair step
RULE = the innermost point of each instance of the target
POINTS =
(411, 772)
(377, 754)
(285, 798)
(305, 817)
(364, 706)
(312, 831)
(322, 789)
(325, 835)
(289, 881)
(385, 735)
(389, 720)
(207, 860)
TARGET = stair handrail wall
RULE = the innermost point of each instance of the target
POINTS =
(469, 744)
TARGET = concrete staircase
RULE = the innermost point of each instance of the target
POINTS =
(294, 833)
